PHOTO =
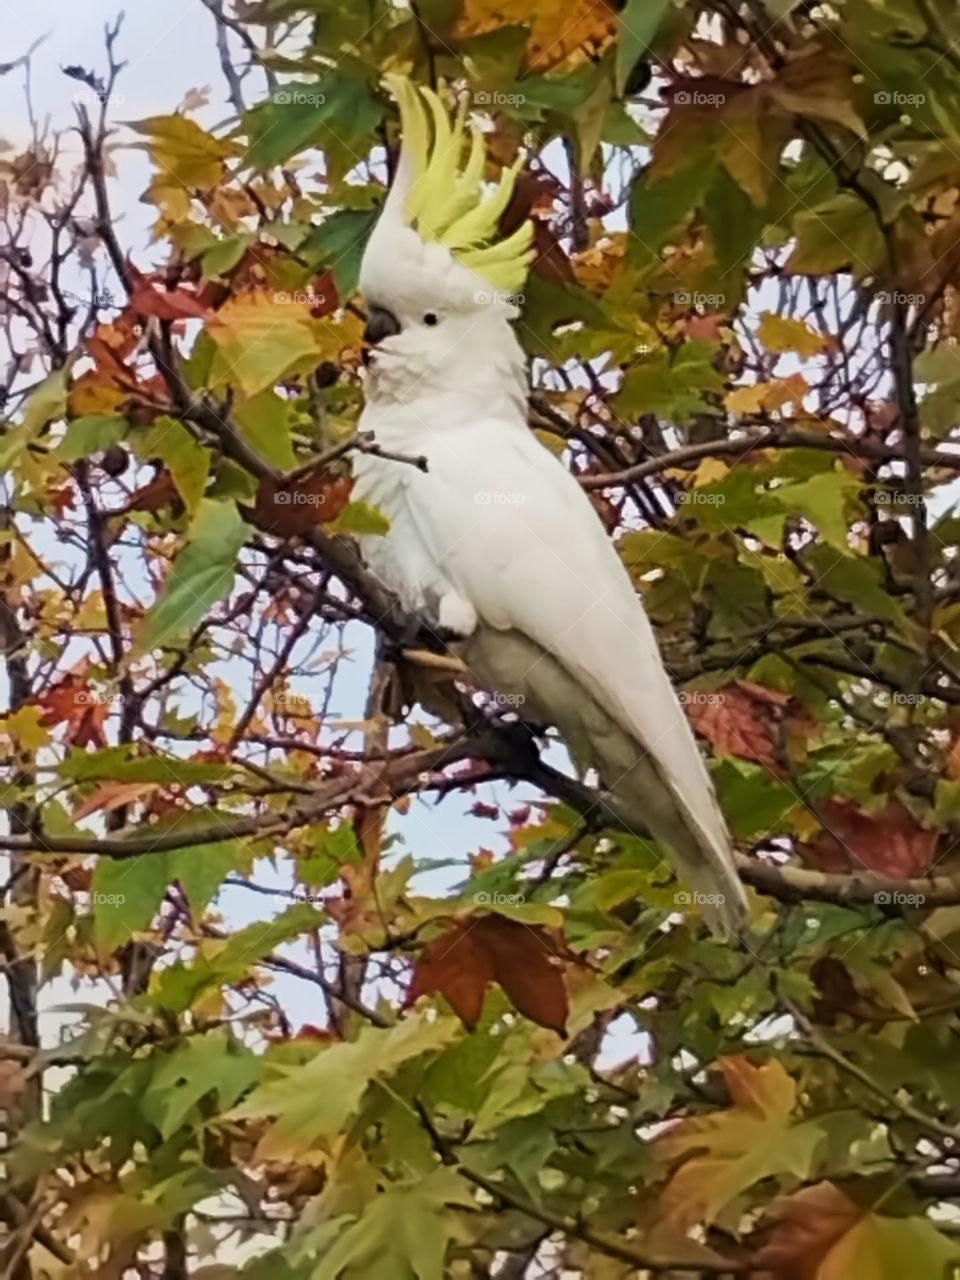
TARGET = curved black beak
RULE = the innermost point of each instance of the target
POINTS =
(381, 324)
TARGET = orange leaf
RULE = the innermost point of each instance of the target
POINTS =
(166, 304)
(741, 719)
(480, 950)
(114, 795)
(561, 31)
(72, 702)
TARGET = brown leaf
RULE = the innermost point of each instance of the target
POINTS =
(808, 1224)
(479, 950)
(741, 719)
(156, 494)
(295, 509)
(72, 702)
(890, 842)
(13, 1081)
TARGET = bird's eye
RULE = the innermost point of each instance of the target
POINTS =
(431, 318)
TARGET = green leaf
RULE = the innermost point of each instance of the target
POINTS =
(121, 765)
(219, 963)
(403, 1231)
(659, 204)
(184, 456)
(202, 574)
(825, 500)
(47, 403)
(212, 1063)
(361, 517)
(337, 111)
(330, 849)
(843, 232)
(126, 895)
(638, 23)
(319, 1097)
(672, 387)
(338, 243)
(92, 434)
(201, 869)
(265, 422)
(854, 580)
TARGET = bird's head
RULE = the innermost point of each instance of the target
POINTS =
(439, 287)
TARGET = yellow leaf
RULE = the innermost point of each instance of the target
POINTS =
(709, 471)
(561, 31)
(25, 728)
(262, 336)
(783, 333)
(724, 1152)
(767, 396)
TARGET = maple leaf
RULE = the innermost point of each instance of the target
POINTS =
(821, 1234)
(154, 495)
(725, 1152)
(479, 950)
(294, 509)
(114, 795)
(560, 31)
(166, 304)
(744, 719)
(72, 702)
(890, 842)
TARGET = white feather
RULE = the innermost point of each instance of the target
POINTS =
(497, 522)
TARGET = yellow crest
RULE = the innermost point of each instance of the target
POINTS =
(446, 199)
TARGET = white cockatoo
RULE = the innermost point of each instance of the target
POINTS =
(496, 543)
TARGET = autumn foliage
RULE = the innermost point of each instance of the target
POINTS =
(362, 981)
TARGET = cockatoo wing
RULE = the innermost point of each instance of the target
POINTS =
(507, 528)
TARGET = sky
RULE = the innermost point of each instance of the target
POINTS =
(170, 49)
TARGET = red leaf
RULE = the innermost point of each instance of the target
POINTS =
(166, 304)
(890, 842)
(72, 702)
(295, 509)
(743, 719)
(524, 959)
